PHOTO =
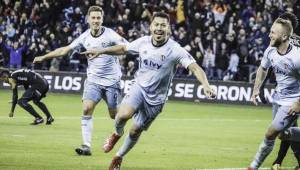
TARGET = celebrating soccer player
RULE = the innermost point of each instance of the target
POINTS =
(103, 74)
(285, 61)
(158, 57)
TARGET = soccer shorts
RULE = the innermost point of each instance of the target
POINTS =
(36, 92)
(279, 114)
(96, 92)
(145, 113)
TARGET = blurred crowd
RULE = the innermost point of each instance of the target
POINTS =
(226, 37)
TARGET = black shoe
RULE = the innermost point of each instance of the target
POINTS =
(83, 150)
(37, 121)
(49, 120)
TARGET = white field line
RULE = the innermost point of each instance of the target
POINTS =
(158, 119)
(264, 168)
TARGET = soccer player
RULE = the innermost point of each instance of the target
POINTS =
(158, 57)
(285, 144)
(103, 74)
(35, 87)
(285, 61)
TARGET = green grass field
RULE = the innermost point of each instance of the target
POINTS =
(186, 136)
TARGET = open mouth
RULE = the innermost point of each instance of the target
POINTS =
(158, 32)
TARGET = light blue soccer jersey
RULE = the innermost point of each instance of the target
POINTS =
(286, 68)
(104, 70)
(157, 66)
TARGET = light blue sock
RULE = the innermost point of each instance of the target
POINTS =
(129, 142)
(264, 150)
(119, 126)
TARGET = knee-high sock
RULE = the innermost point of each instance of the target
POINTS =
(296, 149)
(264, 150)
(129, 142)
(44, 108)
(119, 126)
(284, 146)
(25, 105)
(87, 128)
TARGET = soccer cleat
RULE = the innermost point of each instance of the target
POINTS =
(37, 121)
(115, 163)
(250, 168)
(49, 120)
(276, 167)
(84, 150)
(110, 142)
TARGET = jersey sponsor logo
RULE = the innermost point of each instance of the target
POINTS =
(152, 64)
(22, 78)
(280, 71)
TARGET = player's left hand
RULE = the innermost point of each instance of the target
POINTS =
(209, 92)
(254, 97)
(295, 108)
(11, 114)
(38, 59)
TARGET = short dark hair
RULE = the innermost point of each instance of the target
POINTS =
(4, 73)
(95, 8)
(161, 15)
(291, 17)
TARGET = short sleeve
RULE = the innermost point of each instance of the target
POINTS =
(77, 42)
(134, 46)
(265, 61)
(184, 58)
(14, 75)
(117, 39)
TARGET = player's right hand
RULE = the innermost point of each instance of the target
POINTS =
(90, 54)
(254, 97)
(38, 59)
(209, 92)
(11, 114)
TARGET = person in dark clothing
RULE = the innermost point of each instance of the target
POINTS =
(35, 87)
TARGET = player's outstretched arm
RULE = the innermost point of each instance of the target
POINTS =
(201, 77)
(53, 54)
(113, 50)
(260, 77)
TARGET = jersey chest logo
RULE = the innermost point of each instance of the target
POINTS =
(22, 78)
(152, 64)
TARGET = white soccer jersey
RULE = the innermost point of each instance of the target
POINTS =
(157, 66)
(104, 70)
(286, 68)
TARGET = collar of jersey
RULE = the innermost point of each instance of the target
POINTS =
(287, 51)
(102, 31)
(160, 44)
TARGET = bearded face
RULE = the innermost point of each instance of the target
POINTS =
(277, 35)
